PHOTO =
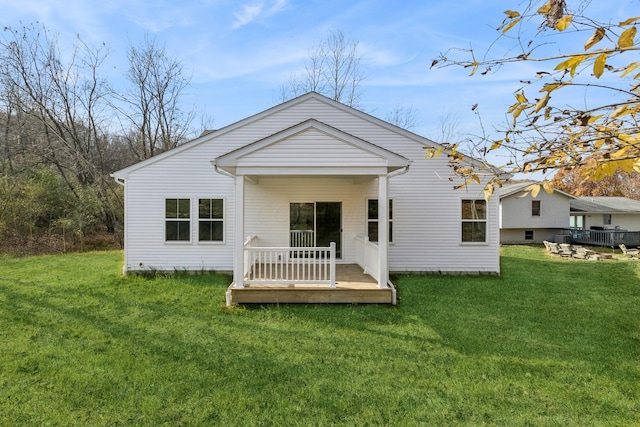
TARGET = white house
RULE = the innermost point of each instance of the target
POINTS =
(527, 219)
(287, 197)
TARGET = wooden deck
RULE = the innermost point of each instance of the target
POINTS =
(352, 286)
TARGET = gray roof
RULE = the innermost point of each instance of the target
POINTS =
(516, 187)
(605, 205)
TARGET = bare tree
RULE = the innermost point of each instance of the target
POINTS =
(153, 117)
(404, 117)
(56, 106)
(332, 69)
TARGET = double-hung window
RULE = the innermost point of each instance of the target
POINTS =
(211, 220)
(372, 220)
(474, 221)
(177, 214)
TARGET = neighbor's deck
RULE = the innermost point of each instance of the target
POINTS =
(352, 286)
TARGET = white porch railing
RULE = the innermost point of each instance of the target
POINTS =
(292, 265)
(301, 238)
(367, 256)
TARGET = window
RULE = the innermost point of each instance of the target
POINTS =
(372, 220)
(528, 235)
(606, 219)
(535, 208)
(474, 221)
(211, 220)
(177, 220)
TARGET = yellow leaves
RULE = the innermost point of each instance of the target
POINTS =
(627, 165)
(432, 152)
(495, 145)
(598, 65)
(511, 14)
(550, 87)
(595, 38)
(547, 186)
(627, 139)
(626, 38)
(488, 191)
(593, 119)
(629, 21)
(542, 102)
(572, 63)
(620, 111)
(609, 168)
(534, 189)
(475, 65)
(520, 97)
(564, 22)
(630, 69)
(636, 166)
(510, 25)
(544, 9)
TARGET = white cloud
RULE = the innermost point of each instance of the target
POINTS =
(257, 11)
(248, 14)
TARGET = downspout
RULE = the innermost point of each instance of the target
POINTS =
(395, 173)
(124, 264)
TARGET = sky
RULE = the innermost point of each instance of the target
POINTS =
(239, 53)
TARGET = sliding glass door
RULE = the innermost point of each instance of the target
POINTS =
(316, 224)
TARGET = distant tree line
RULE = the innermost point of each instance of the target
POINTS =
(64, 129)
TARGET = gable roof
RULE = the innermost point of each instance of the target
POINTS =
(517, 187)
(345, 144)
(208, 135)
(605, 205)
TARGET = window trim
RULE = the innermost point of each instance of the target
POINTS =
(484, 220)
(529, 232)
(371, 220)
(607, 219)
(187, 220)
(223, 220)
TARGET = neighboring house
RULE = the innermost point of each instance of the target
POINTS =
(527, 219)
(255, 196)
(605, 213)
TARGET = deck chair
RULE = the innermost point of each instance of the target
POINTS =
(629, 252)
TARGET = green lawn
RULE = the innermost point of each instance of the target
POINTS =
(552, 342)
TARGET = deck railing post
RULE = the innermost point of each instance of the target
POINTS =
(332, 267)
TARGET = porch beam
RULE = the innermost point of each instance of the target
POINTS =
(383, 230)
(238, 238)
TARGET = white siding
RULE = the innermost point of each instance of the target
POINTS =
(427, 212)
(309, 149)
(516, 217)
(516, 211)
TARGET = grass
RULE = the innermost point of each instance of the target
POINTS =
(551, 342)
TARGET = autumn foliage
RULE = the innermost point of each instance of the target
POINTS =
(595, 60)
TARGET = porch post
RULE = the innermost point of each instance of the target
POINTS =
(383, 230)
(238, 238)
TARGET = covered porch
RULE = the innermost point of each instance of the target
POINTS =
(330, 260)
(304, 274)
